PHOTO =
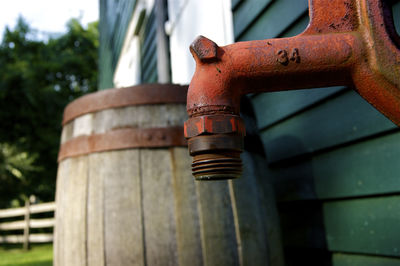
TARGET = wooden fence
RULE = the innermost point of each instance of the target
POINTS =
(27, 223)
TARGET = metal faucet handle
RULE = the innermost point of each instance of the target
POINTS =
(204, 49)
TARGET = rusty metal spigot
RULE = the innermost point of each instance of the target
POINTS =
(215, 142)
(348, 42)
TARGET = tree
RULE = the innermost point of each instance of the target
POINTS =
(37, 79)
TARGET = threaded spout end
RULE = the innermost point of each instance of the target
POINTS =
(215, 141)
(217, 166)
(216, 157)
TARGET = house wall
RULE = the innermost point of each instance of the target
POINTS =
(128, 69)
(115, 16)
(334, 159)
(148, 50)
(128, 43)
(189, 19)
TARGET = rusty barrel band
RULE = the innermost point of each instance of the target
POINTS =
(123, 138)
(123, 97)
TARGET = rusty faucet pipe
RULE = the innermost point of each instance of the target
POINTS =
(348, 42)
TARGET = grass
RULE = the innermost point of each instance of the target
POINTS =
(38, 255)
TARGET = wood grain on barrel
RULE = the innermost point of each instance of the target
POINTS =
(67, 132)
(83, 125)
(62, 172)
(217, 226)
(122, 208)
(162, 115)
(186, 212)
(72, 208)
(158, 207)
(95, 209)
(256, 215)
(269, 211)
(250, 227)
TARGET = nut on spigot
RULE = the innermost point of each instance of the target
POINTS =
(215, 142)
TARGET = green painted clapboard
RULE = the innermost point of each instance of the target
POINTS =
(283, 12)
(114, 21)
(362, 260)
(345, 118)
(363, 169)
(148, 50)
(366, 225)
(278, 106)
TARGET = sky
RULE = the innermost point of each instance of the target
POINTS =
(47, 16)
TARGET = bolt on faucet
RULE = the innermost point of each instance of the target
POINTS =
(348, 42)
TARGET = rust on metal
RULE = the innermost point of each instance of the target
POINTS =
(215, 142)
(217, 166)
(115, 98)
(215, 124)
(205, 49)
(246, 67)
(347, 42)
(216, 156)
(123, 138)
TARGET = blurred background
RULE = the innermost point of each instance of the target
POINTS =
(325, 188)
(48, 57)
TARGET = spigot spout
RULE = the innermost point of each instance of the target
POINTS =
(215, 163)
(215, 142)
(215, 130)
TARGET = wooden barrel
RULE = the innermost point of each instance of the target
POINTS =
(125, 194)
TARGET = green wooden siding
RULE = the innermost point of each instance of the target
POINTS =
(148, 49)
(290, 10)
(365, 168)
(241, 18)
(396, 17)
(359, 260)
(334, 159)
(344, 118)
(289, 104)
(367, 225)
(115, 16)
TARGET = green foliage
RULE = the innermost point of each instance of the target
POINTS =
(15, 166)
(37, 79)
